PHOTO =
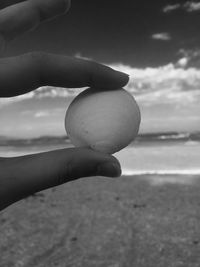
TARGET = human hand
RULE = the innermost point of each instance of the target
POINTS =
(25, 175)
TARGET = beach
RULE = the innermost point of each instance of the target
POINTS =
(98, 221)
(149, 217)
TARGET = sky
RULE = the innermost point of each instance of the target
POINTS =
(156, 42)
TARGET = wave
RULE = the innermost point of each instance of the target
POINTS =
(174, 136)
(169, 136)
(191, 143)
(127, 172)
(141, 138)
(38, 141)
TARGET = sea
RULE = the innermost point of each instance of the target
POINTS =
(170, 153)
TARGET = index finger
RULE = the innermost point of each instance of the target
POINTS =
(24, 16)
(22, 74)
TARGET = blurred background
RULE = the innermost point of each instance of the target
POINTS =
(156, 42)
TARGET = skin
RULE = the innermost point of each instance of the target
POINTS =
(26, 175)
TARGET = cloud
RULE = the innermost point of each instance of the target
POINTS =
(79, 55)
(163, 36)
(192, 56)
(169, 83)
(173, 82)
(170, 8)
(42, 92)
(189, 6)
(42, 113)
(192, 6)
(182, 62)
(8, 100)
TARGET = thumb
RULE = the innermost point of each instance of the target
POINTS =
(33, 173)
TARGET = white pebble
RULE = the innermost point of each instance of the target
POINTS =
(105, 121)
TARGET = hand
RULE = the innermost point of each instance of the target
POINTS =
(25, 175)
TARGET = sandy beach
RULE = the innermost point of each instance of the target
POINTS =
(135, 221)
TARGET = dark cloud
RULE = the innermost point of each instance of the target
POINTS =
(116, 31)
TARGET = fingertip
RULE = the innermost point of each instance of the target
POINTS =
(108, 78)
(87, 162)
(109, 169)
(120, 78)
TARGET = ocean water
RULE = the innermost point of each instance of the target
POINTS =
(163, 159)
(153, 154)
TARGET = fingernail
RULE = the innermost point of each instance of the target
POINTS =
(109, 169)
(123, 73)
(121, 77)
